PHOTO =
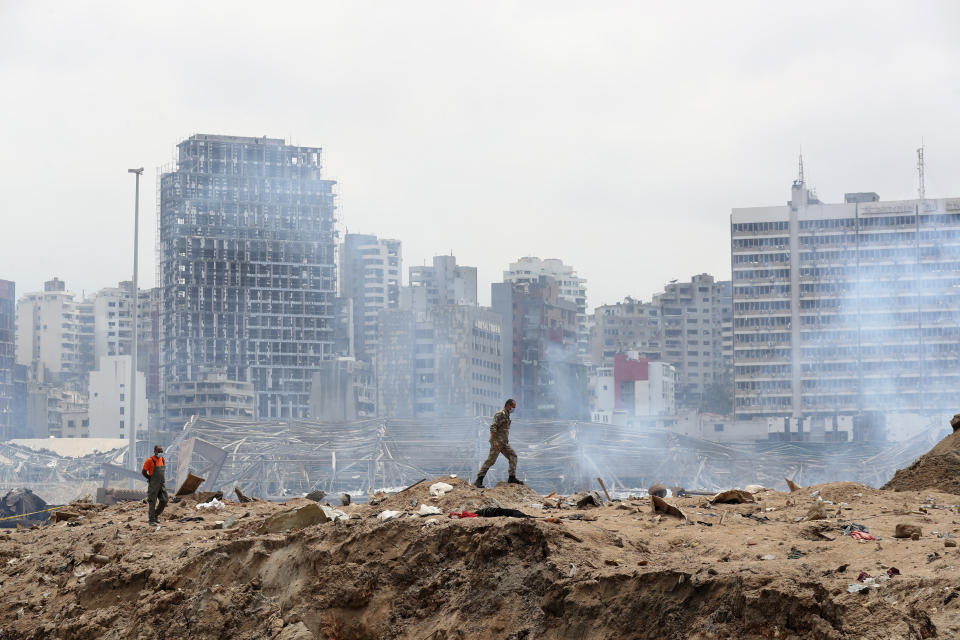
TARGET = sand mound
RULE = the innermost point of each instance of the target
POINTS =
(938, 469)
(842, 491)
(463, 497)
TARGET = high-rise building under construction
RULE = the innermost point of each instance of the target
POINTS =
(247, 268)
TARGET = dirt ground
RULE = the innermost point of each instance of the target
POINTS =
(939, 469)
(616, 571)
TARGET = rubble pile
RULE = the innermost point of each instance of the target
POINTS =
(502, 562)
(937, 469)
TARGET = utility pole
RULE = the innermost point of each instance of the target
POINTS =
(132, 418)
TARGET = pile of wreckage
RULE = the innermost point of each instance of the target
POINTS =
(275, 460)
(278, 460)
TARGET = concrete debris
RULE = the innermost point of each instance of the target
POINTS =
(242, 498)
(792, 485)
(389, 515)
(905, 530)
(755, 488)
(316, 496)
(61, 515)
(658, 490)
(334, 514)
(344, 499)
(732, 496)
(587, 499)
(298, 518)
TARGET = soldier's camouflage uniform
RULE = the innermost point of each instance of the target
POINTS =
(500, 437)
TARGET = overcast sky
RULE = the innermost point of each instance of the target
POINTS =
(615, 136)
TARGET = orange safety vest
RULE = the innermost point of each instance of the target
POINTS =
(153, 462)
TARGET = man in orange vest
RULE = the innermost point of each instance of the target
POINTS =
(154, 470)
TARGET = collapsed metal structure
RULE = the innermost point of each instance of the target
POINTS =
(56, 478)
(274, 459)
(277, 459)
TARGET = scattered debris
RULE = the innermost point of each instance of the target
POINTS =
(817, 512)
(587, 499)
(661, 506)
(905, 530)
(345, 499)
(213, 504)
(658, 490)
(602, 486)
(189, 485)
(427, 510)
(860, 535)
(495, 512)
(242, 498)
(389, 515)
(732, 496)
(438, 489)
(316, 495)
(793, 486)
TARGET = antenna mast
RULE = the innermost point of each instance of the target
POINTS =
(920, 169)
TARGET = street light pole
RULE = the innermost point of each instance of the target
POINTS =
(132, 418)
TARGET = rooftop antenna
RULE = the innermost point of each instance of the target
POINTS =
(800, 178)
(922, 192)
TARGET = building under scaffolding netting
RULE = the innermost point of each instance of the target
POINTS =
(275, 459)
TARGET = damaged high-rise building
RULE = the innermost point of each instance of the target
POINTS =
(846, 309)
(369, 282)
(8, 357)
(247, 267)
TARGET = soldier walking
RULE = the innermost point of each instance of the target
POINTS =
(500, 443)
(154, 470)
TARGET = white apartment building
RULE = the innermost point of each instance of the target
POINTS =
(370, 277)
(573, 288)
(50, 332)
(109, 399)
(848, 308)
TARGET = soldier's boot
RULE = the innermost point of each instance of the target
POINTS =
(479, 482)
(514, 480)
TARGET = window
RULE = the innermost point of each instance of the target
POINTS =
(718, 426)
